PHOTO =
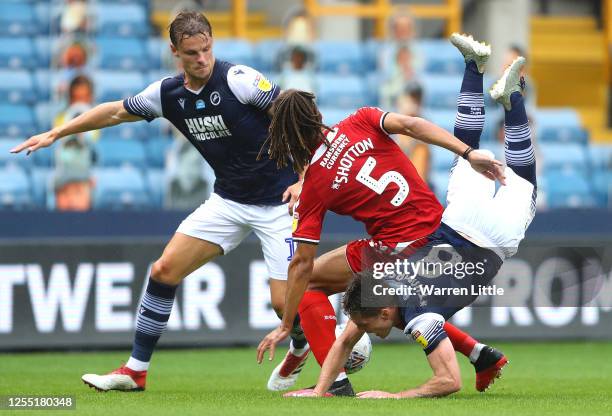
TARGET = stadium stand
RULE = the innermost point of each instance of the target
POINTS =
(126, 58)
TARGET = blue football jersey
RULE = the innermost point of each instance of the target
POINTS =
(226, 121)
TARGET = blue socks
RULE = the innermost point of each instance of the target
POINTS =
(470, 118)
(520, 156)
(153, 315)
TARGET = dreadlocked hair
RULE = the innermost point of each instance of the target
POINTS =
(295, 131)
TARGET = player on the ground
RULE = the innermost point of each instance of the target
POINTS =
(479, 224)
(221, 108)
(356, 169)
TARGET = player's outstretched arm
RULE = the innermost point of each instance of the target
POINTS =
(336, 357)
(103, 115)
(428, 132)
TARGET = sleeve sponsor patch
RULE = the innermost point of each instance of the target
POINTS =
(262, 83)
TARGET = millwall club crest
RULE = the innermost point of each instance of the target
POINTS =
(215, 98)
(200, 105)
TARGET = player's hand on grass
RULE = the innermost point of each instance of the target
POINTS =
(292, 194)
(36, 142)
(270, 341)
(305, 393)
(491, 168)
(376, 394)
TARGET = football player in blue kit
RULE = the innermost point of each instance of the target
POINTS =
(222, 109)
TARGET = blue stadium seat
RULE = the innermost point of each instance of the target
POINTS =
(442, 118)
(567, 157)
(45, 114)
(266, 52)
(600, 156)
(346, 91)
(236, 51)
(121, 19)
(15, 190)
(158, 50)
(567, 134)
(118, 152)
(17, 53)
(156, 149)
(438, 179)
(42, 185)
(10, 159)
(16, 121)
(121, 53)
(136, 131)
(602, 185)
(122, 188)
(45, 49)
(16, 86)
(44, 158)
(332, 115)
(568, 189)
(439, 56)
(156, 184)
(440, 91)
(45, 16)
(17, 19)
(116, 85)
(160, 74)
(342, 57)
(371, 48)
(441, 159)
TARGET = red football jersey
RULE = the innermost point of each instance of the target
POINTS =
(363, 173)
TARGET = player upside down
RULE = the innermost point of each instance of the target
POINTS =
(356, 169)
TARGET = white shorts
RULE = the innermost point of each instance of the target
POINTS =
(226, 223)
(489, 219)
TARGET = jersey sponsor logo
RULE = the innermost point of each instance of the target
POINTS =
(347, 160)
(200, 104)
(262, 83)
(206, 128)
(181, 102)
(215, 98)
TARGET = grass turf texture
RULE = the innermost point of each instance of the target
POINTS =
(542, 379)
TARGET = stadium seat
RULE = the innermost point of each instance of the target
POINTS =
(371, 48)
(17, 53)
(341, 57)
(602, 185)
(116, 85)
(158, 51)
(17, 18)
(10, 159)
(566, 157)
(267, 52)
(567, 134)
(16, 121)
(440, 91)
(439, 56)
(15, 190)
(441, 159)
(121, 53)
(136, 131)
(46, 15)
(600, 156)
(46, 112)
(332, 115)
(236, 51)
(156, 149)
(156, 184)
(442, 118)
(122, 188)
(118, 19)
(16, 86)
(568, 189)
(438, 179)
(119, 152)
(42, 183)
(347, 91)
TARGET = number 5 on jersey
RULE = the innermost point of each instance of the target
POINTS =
(380, 185)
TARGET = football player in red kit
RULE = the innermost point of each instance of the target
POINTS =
(356, 169)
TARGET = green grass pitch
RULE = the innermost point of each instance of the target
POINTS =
(542, 379)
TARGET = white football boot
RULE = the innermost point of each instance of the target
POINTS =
(123, 378)
(472, 50)
(511, 81)
(287, 372)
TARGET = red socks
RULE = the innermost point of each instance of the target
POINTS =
(318, 320)
(462, 342)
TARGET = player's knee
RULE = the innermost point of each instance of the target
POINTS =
(162, 271)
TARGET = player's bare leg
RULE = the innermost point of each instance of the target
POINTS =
(182, 255)
(285, 375)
